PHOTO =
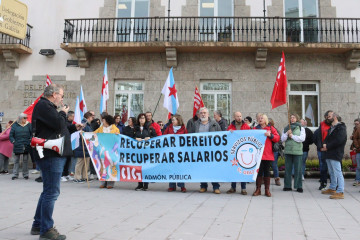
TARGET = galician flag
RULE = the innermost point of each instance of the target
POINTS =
(82, 104)
(104, 90)
(77, 117)
(171, 101)
(48, 80)
(75, 137)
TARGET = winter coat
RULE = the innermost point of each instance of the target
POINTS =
(148, 131)
(129, 131)
(308, 140)
(121, 127)
(48, 123)
(113, 129)
(232, 126)
(20, 136)
(214, 126)
(335, 142)
(223, 124)
(78, 152)
(6, 147)
(190, 124)
(268, 154)
(356, 140)
(156, 127)
(170, 130)
(320, 135)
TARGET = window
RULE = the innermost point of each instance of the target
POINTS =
(129, 98)
(134, 30)
(215, 29)
(304, 100)
(301, 30)
(217, 96)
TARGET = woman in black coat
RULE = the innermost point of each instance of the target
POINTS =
(143, 131)
(129, 130)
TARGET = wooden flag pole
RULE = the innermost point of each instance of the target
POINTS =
(7, 128)
(157, 105)
(86, 168)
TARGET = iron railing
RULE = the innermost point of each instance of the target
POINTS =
(7, 39)
(218, 29)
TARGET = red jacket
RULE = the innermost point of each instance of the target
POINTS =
(170, 130)
(268, 154)
(157, 128)
(244, 126)
(324, 130)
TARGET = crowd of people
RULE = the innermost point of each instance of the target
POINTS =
(50, 123)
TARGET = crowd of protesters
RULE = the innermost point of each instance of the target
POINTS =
(292, 143)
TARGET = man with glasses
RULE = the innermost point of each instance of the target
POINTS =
(48, 123)
(319, 138)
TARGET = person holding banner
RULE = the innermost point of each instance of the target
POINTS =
(143, 131)
(205, 124)
(129, 130)
(153, 124)
(237, 124)
(108, 126)
(177, 127)
(293, 139)
(268, 155)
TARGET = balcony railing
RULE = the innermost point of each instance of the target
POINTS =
(213, 29)
(7, 39)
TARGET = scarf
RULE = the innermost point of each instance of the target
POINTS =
(293, 126)
(176, 128)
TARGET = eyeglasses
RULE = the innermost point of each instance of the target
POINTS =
(62, 96)
(161, 125)
(142, 118)
(24, 117)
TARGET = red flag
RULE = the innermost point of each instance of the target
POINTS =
(278, 96)
(48, 80)
(198, 102)
(30, 109)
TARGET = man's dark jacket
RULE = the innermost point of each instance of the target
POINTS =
(335, 142)
(48, 123)
(308, 139)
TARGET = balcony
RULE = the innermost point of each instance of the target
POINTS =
(11, 47)
(215, 34)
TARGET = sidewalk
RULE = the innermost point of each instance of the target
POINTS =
(84, 213)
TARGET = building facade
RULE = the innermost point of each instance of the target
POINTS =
(230, 49)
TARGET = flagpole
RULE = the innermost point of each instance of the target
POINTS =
(7, 128)
(86, 169)
(156, 105)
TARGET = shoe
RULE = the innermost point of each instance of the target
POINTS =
(35, 172)
(259, 181)
(145, 188)
(63, 179)
(231, 190)
(287, 189)
(170, 189)
(91, 177)
(243, 192)
(52, 234)
(183, 190)
(267, 186)
(322, 186)
(39, 179)
(79, 181)
(13, 178)
(4, 172)
(109, 187)
(89, 180)
(70, 178)
(328, 191)
(102, 186)
(300, 190)
(217, 191)
(338, 195)
(356, 183)
(202, 190)
(139, 188)
(277, 181)
(35, 231)
(26, 178)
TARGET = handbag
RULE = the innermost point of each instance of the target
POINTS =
(275, 146)
(353, 158)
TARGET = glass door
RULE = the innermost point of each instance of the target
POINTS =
(212, 28)
(132, 30)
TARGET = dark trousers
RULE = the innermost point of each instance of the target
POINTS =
(66, 167)
(323, 167)
(264, 169)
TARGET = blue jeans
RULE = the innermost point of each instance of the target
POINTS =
(304, 157)
(243, 185)
(215, 185)
(51, 169)
(357, 178)
(275, 165)
(336, 176)
(323, 167)
(179, 184)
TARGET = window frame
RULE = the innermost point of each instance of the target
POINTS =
(216, 92)
(307, 93)
(129, 92)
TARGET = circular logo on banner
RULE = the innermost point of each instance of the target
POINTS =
(246, 155)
